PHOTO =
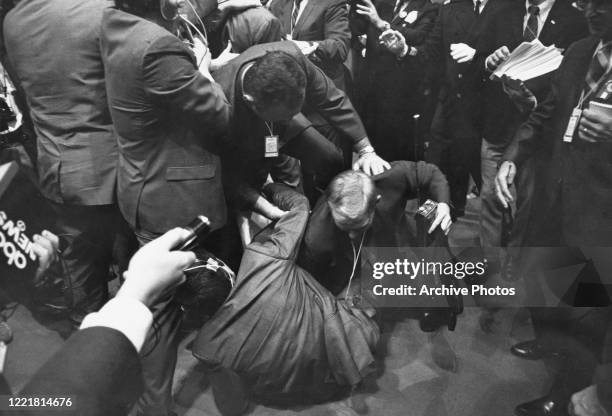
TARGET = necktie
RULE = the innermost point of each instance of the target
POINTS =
(599, 66)
(294, 13)
(477, 7)
(398, 6)
(531, 30)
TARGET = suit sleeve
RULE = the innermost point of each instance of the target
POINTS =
(173, 81)
(97, 367)
(287, 233)
(530, 135)
(334, 47)
(331, 103)
(417, 33)
(431, 50)
(428, 178)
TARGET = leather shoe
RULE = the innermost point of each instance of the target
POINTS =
(532, 350)
(544, 406)
(434, 319)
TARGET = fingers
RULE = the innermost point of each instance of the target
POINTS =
(446, 224)
(591, 130)
(52, 238)
(361, 9)
(43, 253)
(505, 189)
(182, 259)
(499, 194)
(437, 220)
(504, 177)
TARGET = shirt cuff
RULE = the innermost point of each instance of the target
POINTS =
(128, 316)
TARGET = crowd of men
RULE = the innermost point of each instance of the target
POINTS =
(145, 114)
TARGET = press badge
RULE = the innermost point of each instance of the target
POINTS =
(271, 146)
(572, 125)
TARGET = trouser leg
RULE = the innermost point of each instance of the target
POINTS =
(159, 354)
(87, 234)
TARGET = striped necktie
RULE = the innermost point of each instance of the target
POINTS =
(598, 68)
(531, 30)
(294, 13)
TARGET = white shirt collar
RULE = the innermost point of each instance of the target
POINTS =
(482, 4)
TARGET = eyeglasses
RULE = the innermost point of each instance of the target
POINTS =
(596, 4)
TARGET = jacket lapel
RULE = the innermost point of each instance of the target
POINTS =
(308, 9)
(552, 23)
(517, 20)
(465, 16)
(579, 70)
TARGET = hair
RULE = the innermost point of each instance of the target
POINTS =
(138, 7)
(352, 194)
(205, 289)
(276, 78)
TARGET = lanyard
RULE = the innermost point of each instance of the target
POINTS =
(270, 127)
(584, 96)
(356, 254)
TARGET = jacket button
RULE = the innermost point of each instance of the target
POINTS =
(460, 76)
(459, 95)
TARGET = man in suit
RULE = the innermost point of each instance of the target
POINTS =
(98, 368)
(575, 200)
(394, 90)
(551, 22)
(167, 112)
(268, 86)
(457, 127)
(321, 23)
(355, 204)
(77, 150)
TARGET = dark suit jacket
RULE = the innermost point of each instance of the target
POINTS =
(382, 63)
(579, 178)
(325, 22)
(167, 116)
(326, 250)
(564, 26)
(98, 368)
(461, 84)
(53, 48)
(245, 163)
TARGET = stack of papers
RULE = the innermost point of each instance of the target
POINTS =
(530, 60)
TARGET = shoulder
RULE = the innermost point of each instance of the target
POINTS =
(563, 8)
(584, 48)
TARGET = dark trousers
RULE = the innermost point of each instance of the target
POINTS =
(457, 157)
(88, 235)
(159, 352)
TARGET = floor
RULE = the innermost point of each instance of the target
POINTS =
(485, 379)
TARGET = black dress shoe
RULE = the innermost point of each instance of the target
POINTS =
(532, 350)
(434, 319)
(544, 406)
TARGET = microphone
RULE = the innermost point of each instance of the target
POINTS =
(198, 228)
(6, 336)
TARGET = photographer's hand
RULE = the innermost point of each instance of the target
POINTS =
(155, 269)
